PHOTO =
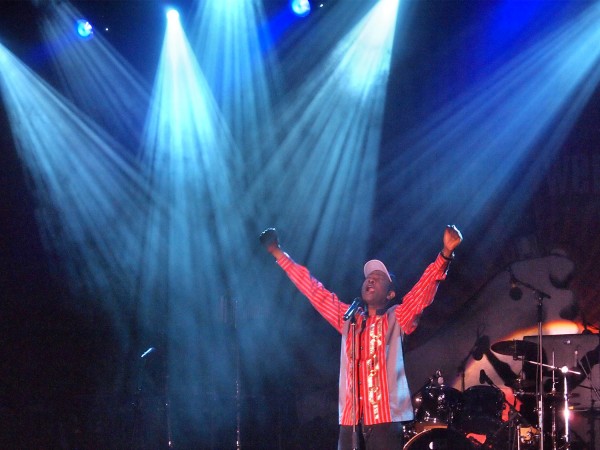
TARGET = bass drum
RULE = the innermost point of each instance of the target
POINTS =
(440, 439)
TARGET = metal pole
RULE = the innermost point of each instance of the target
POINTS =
(540, 389)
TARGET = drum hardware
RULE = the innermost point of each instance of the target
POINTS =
(500, 435)
(528, 437)
(563, 369)
(521, 385)
(593, 413)
(550, 396)
(561, 396)
(515, 433)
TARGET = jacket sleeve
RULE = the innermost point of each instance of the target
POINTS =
(421, 295)
(324, 301)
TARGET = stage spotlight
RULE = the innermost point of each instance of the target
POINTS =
(300, 7)
(172, 14)
(84, 29)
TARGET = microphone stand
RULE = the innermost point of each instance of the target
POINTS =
(540, 295)
(136, 433)
(238, 384)
(540, 380)
(355, 440)
(168, 413)
(462, 368)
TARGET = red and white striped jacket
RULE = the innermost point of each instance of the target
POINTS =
(382, 386)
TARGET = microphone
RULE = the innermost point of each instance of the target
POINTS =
(147, 352)
(483, 378)
(515, 291)
(481, 345)
(357, 303)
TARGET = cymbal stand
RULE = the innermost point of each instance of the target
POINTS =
(564, 370)
(596, 395)
(567, 413)
(553, 391)
(540, 372)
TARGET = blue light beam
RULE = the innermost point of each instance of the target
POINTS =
(89, 196)
(195, 248)
(96, 78)
(495, 139)
(227, 42)
(332, 126)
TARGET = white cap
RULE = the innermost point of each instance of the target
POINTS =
(375, 264)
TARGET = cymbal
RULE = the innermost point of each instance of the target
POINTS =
(515, 348)
(587, 412)
(550, 396)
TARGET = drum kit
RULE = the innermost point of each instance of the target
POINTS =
(448, 419)
(444, 416)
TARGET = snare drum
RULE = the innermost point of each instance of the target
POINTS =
(482, 409)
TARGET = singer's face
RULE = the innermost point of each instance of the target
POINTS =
(376, 289)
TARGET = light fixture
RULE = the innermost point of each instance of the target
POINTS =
(300, 7)
(84, 29)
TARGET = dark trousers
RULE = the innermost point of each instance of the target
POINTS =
(383, 436)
